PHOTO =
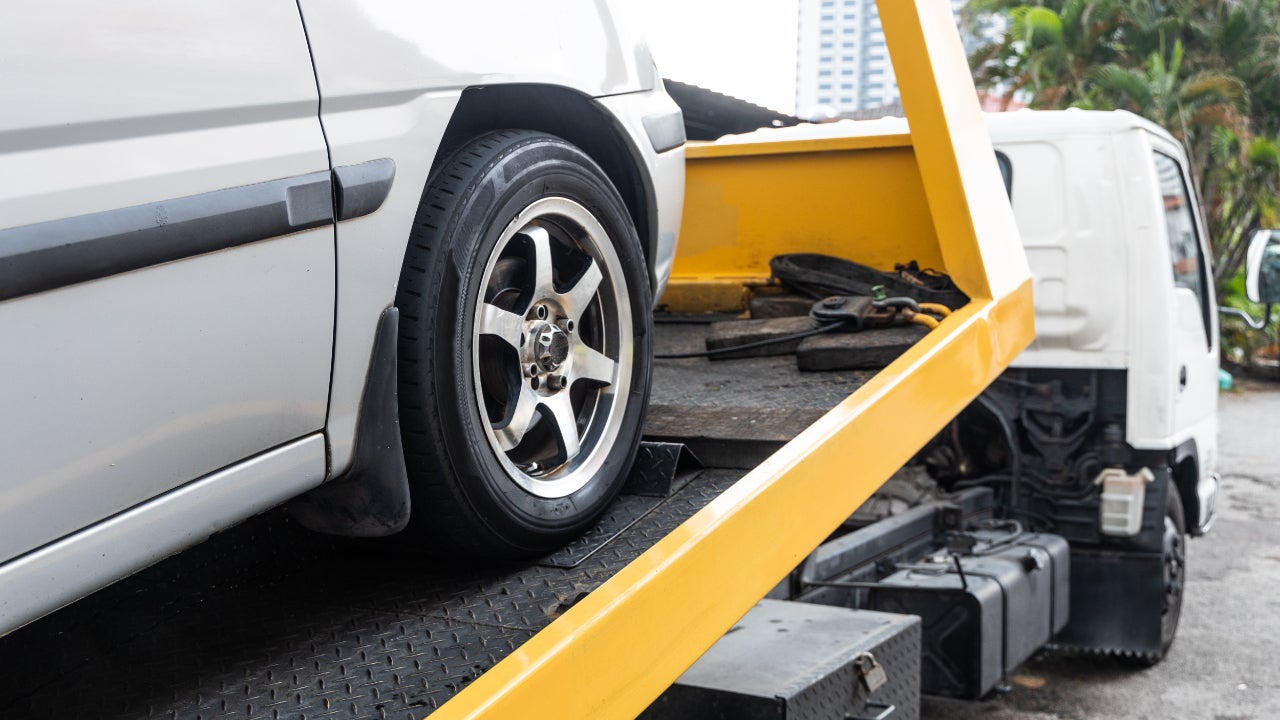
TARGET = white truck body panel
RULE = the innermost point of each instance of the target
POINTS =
(1064, 230)
(1087, 195)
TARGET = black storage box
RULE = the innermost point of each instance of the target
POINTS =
(800, 661)
(1011, 599)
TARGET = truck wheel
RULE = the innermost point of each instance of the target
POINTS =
(1174, 555)
(525, 347)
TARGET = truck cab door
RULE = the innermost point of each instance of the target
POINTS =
(1195, 335)
(167, 273)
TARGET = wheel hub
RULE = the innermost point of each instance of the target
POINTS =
(548, 346)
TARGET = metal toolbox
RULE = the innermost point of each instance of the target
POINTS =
(985, 609)
(798, 661)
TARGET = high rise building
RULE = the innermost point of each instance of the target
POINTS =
(842, 63)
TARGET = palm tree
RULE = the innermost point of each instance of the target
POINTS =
(1161, 92)
(1049, 49)
(1244, 195)
(1190, 107)
(1243, 38)
(1208, 70)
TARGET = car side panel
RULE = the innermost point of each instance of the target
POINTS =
(64, 571)
(120, 388)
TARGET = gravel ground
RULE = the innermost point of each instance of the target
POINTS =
(1223, 666)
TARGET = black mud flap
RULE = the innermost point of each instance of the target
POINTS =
(372, 498)
(1115, 602)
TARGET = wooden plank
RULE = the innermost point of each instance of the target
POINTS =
(733, 333)
(868, 350)
(765, 307)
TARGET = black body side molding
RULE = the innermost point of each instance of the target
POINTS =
(53, 254)
(361, 189)
(372, 498)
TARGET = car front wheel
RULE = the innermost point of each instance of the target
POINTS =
(525, 347)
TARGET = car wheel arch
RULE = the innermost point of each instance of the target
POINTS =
(571, 116)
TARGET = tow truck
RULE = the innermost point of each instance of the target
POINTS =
(748, 472)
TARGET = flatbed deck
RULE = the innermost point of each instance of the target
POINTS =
(268, 620)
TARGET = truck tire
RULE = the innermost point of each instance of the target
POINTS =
(1174, 555)
(525, 348)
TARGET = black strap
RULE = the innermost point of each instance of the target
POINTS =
(819, 276)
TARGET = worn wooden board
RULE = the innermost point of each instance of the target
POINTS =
(741, 332)
(766, 307)
(868, 350)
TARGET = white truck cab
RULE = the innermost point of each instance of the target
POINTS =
(1119, 256)
(1104, 431)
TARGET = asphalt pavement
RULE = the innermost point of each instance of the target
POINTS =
(1225, 663)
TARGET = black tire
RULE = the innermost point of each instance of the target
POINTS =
(487, 332)
(1174, 556)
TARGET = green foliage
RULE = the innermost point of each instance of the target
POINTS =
(1207, 70)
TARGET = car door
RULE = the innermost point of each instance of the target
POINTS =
(1195, 335)
(166, 251)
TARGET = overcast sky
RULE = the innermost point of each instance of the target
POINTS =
(744, 48)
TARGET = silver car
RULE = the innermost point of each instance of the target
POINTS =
(390, 261)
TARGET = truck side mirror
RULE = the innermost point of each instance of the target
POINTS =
(1262, 267)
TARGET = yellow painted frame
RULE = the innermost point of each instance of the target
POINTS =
(858, 197)
(615, 651)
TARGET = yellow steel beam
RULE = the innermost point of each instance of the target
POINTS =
(615, 651)
(979, 240)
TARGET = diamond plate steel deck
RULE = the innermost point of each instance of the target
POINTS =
(268, 620)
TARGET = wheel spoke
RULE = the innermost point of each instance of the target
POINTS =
(512, 432)
(542, 284)
(575, 301)
(506, 325)
(591, 364)
(560, 412)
